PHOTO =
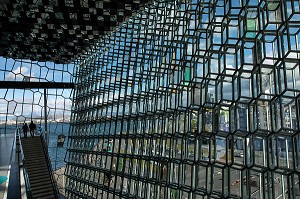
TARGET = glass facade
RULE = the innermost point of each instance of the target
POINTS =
(190, 99)
(24, 105)
(186, 99)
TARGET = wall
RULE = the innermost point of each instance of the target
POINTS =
(190, 99)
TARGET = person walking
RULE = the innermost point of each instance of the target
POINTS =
(25, 129)
(32, 127)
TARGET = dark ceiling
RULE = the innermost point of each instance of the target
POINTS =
(58, 30)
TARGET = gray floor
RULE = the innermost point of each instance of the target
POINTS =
(6, 146)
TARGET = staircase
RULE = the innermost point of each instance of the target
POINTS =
(41, 185)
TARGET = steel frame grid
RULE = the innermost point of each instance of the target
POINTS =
(190, 99)
(22, 99)
(58, 31)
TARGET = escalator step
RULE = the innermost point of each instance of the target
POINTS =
(36, 188)
(45, 196)
(38, 176)
(41, 191)
(41, 171)
(36, 165)
(37, 181)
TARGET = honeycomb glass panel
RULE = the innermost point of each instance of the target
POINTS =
(185, 99)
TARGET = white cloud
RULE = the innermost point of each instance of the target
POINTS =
(18, 74)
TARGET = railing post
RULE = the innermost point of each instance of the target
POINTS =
(54, 185)
(46, 117)
(25, 173)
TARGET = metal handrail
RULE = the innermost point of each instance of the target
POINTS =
(25, 173)
(53, 182)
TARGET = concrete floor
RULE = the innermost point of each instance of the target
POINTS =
(6, 147)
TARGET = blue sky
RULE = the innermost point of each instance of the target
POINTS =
(15, 70)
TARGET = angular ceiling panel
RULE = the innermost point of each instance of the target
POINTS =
(58, 30)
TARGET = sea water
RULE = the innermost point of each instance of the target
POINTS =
(56, 154)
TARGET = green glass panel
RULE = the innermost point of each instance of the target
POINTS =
(108, 147)
(273, 5)
(2, 179)
(251, 26)
(120, 165)
(187, 75)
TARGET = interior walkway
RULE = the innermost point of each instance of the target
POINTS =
(6, 155)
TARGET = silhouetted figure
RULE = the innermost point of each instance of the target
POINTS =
(32, 127)
(25, 130)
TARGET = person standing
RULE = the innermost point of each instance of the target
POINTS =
(32, 127)
(25, 130)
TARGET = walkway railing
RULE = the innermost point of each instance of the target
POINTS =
(45, 148)
(25, 173)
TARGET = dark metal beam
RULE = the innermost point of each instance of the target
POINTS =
(23, 85)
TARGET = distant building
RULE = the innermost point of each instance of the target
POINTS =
(242, 117)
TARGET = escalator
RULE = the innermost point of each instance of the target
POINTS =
(37, 170)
